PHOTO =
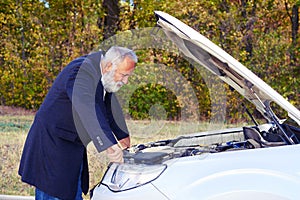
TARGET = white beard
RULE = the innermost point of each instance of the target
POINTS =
(108, 82)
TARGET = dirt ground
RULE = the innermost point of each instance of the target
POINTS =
(10, 110)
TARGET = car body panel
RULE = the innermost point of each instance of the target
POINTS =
(266, 173)
(274, 171)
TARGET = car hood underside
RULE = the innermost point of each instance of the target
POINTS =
(204, 52)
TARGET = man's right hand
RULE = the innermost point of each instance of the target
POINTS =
(115, 154)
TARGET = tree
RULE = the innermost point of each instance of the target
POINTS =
(38, 38)
(294, 18)
(111, 20)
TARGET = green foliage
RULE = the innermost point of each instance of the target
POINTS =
(152, 96)
(38, 40)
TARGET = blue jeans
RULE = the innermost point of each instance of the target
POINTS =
(40, 195)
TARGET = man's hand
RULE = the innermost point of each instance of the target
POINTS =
(115, 154)
(125, 143)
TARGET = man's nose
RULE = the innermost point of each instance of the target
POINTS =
(125, 79)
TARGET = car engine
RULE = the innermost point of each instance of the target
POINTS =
(262, 136)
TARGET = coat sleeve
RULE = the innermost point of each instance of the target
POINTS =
(82, 85)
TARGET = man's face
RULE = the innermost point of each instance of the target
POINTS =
(113, 80)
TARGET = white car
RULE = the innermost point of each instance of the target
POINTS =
(253, 162)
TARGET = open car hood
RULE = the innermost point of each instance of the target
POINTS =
(200, 49)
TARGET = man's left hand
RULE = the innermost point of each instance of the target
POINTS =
(125, 143)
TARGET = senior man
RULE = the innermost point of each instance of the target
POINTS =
(80, 107)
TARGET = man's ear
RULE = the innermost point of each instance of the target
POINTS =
(107, 67)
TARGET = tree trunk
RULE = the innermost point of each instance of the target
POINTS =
(249, 25)
(295, 27)
(111, 19)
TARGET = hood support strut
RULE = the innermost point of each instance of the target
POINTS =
(270, 115)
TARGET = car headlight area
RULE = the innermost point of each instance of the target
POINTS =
(121, 177)
(124, 177)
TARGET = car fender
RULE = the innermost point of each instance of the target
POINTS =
(274, 171)
(242, 184)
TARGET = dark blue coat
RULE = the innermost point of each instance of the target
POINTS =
(73, 113)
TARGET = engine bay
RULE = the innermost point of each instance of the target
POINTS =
(262, 136)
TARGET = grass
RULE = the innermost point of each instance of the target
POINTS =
(13, 131)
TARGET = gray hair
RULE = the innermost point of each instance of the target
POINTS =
(117, 54)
